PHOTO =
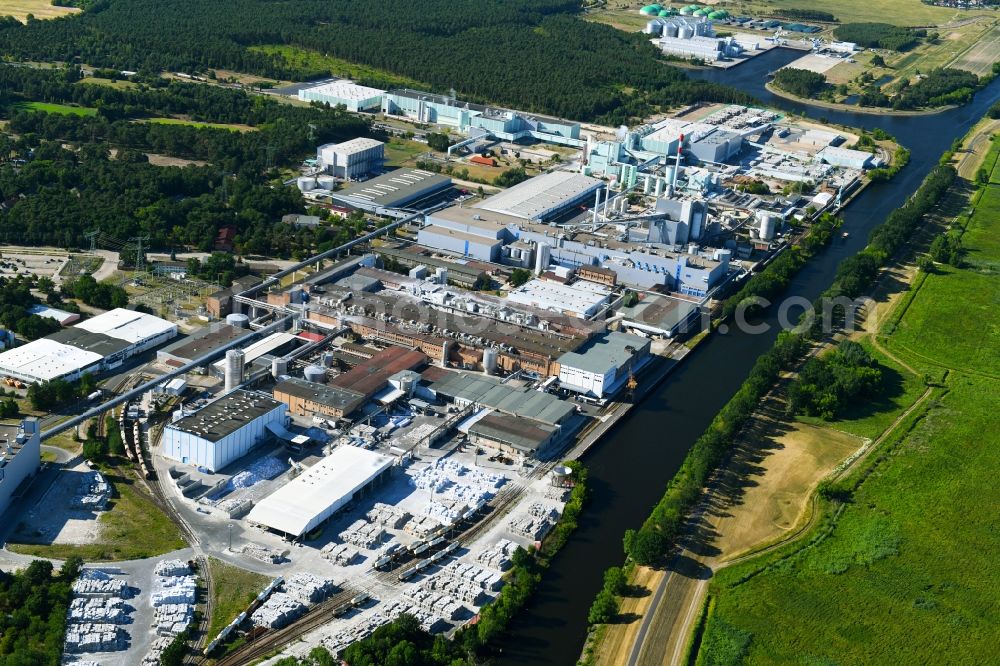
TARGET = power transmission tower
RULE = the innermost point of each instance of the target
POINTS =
(92, 237)
(140, 256)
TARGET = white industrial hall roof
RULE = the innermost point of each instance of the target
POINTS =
(345, 90)
(44, 359)
(581, 297)
(539, 196)
(313, 496)
(354, 146)
(128, 325)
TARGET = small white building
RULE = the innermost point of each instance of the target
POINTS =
(351, 159)
(845, 157)
(222, 431)
(602, 366)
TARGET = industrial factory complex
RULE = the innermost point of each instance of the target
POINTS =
(380, 427)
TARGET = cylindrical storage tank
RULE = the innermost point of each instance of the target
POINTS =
(306, 183)
(238, 320)
(699, 12)
(315, 373)
(668, 174)
(650, 10)
(406, 385)
(653, 28)
(686, 11)
(687, 32)
(233, 373)
(768, 224)
(327, 359)
(279, 367)
(325, 182)
(490, 356)
(670, 30)
(543, 255)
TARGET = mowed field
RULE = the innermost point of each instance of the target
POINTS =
(898, 12)
(40, 9)
(64, 109)
(907, 572)
(985, 51)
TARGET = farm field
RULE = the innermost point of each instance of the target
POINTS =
(985, 51)
(898, 12)
(905, 573)
(98, 81)
(64, 109)
(40, 9)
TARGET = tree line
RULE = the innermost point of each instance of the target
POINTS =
(34, 603)
(828, 384)
(533, 54)
(800, 82)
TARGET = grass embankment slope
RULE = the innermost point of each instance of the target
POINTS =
(132, 528)
(234, 588)
(308, 59)
(904, 571)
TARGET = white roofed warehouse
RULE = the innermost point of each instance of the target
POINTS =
(335, 93)
(543, 196)
(351, 159)
(100, 343)
(223, 430)
(307, 501)
(602, 366)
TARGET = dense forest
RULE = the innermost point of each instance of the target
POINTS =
(532, 54)
(800, 82)
(827, 384)
(879, 35)
(33, 607)
(106, 182)
(16, 300)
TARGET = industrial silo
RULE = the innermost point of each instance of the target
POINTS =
(279, 367)
(768, 223)
(670, 30)
(543, 255)
(327, 359)
(686, 32)
(490, 356)
(315, 373)
(653, 28)
(306, 183)
(686, 11)
(233, 372)
(238, 320)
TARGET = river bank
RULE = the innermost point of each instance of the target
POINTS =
(631, 465)
(874, 110)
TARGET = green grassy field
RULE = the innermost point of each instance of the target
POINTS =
(195, 123)
(235, 588)
(134, 527)
(97, 81)
(907, 573)
(300, 57)
(56, 108)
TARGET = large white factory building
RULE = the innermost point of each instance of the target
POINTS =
(99, 343)
(20, 457)
(224, 430)
(351, 159)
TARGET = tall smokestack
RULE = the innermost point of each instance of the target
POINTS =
(597, 202)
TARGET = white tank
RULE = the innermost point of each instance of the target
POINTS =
(325, 182)
(238, 320)
(315, 373)
(653, 28)
(687, 32)
(768, 223)
(327, 359)
(279, 367)
(543, 255)
(306, 183)
(490, 356)
(670, 30)
(233, 373)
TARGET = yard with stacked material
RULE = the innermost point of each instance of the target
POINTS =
(900, 569)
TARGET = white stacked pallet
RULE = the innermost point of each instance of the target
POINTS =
(279, 610)
(307, 588)
(499, 555)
